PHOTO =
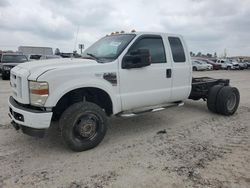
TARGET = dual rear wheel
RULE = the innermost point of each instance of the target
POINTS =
(223, 100)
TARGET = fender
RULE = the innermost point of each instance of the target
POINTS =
(61, 89)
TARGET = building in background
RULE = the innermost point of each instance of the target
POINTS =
(33, 50)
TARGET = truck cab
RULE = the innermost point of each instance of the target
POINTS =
(119, 74)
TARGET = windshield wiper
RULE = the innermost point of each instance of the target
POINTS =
(94, 57)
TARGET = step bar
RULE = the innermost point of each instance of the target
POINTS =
(137, 113)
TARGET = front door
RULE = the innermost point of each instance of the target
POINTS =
(146, 86)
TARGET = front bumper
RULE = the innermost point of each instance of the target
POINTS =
(29, 120)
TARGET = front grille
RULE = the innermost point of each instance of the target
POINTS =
(16, 85)
(19, 84)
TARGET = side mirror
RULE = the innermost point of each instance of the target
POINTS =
(136, 59)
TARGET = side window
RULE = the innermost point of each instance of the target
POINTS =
(177, 49)
(155, 47)
(0, 58)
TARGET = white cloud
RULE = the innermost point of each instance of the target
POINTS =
(207, 25)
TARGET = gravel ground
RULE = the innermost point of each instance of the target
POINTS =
(179, 147)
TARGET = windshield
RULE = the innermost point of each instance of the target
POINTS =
(14, 59)
(108, 48)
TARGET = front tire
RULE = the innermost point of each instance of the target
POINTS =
(84, 126)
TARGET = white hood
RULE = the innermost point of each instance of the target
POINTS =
(36, 68)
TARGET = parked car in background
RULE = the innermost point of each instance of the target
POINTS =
(242, 65)
(42, 57)
(216, 66)
(33, 57)
(248, 64)
(8, 61)
(199, 65)
(227, 64)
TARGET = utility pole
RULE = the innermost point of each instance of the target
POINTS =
(81, 47)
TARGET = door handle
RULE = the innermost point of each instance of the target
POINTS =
(169, 73)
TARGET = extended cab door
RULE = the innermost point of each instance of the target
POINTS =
(182, 69)
(150, 85)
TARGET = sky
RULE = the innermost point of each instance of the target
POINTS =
(207, 25)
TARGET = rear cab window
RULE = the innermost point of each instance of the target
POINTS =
(177, 50)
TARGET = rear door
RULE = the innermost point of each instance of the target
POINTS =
(146, 86)
(182, 69)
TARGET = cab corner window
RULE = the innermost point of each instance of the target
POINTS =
(155, 47)
(177, 49)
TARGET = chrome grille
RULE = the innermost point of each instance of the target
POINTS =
(16, 84)
(19, 84)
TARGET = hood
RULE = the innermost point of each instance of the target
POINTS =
(37, 68)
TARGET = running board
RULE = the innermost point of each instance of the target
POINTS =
(132, 114)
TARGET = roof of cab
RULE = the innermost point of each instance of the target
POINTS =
(147, 33)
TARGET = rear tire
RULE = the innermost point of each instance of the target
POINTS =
(84, 126)
(212, 97)
(228, 100)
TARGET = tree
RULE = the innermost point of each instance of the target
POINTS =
(57, 51)
(192, 54)
(209, 55)
(199, 54)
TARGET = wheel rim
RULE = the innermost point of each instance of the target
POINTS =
(86, 126)
(231, 102)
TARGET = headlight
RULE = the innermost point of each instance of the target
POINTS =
(39, 92)
(6, 68)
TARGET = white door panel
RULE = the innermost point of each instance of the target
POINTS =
(181, 81)
(145, 86)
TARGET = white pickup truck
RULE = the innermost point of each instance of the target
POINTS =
(121, 74)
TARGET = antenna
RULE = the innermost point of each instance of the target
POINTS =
(77, 31)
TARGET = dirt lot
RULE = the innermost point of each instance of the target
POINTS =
(198, 149)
